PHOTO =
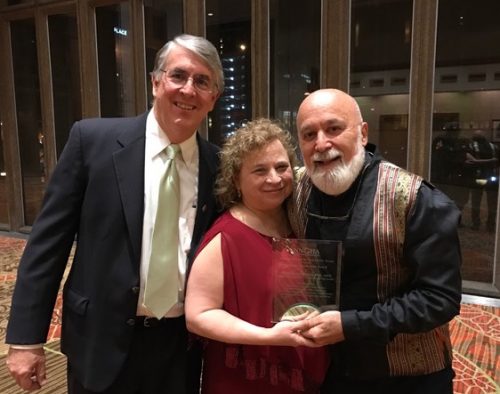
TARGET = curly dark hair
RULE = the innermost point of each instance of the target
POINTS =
(248, 138)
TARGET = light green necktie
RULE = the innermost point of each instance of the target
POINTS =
(162, 283)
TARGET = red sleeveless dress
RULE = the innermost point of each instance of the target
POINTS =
(248, 294)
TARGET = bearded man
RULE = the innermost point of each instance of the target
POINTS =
(401, 282)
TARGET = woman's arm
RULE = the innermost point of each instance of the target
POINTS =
(205, 316)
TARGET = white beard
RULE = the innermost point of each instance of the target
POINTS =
(338, 179)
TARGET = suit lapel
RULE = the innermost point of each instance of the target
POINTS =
(129, 168)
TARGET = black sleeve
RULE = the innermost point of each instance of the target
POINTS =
(46, 254)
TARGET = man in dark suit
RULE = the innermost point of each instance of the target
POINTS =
(104, 191)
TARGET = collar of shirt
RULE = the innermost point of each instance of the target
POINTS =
(157, 141)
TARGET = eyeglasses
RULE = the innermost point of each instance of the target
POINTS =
(179, 78)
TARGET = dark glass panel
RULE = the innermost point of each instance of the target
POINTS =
(4, 206)
(380, 72)
(115, 60)
(295, 56)
(466, 127)
(228, 28)
(65, 63)
(29, 121)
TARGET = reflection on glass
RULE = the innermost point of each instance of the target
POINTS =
(4, 211)
(115, 61)
(380, 70)
(466, 136)
(295, 56)
(228, 28)
(162, 22)
(65, 63)
(29, 122)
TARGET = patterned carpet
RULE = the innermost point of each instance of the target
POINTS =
(475, 338)
(10, 251)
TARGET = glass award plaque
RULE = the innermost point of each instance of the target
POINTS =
(306, 277)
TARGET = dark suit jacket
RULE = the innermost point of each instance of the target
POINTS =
(96, 193)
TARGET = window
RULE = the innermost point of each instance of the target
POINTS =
(65, 63)
(29, 121)
(380, 69)
(465, 147)
(295, 56)
(115, 60)
(228, 28)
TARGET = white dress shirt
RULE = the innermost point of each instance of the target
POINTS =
(154, 168)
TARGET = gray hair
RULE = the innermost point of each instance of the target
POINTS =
(200, 47)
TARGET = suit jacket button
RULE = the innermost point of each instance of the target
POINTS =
(135, 289)
(131, 322)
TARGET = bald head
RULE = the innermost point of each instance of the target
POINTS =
(331, 98)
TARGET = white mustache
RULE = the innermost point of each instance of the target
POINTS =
(330, 154)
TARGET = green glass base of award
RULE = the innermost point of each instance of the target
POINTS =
(306, 277)
(299, 311)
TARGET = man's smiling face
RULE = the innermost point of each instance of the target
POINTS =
(331, 135)
(179, 110)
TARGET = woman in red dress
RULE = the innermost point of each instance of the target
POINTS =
(229, 297)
